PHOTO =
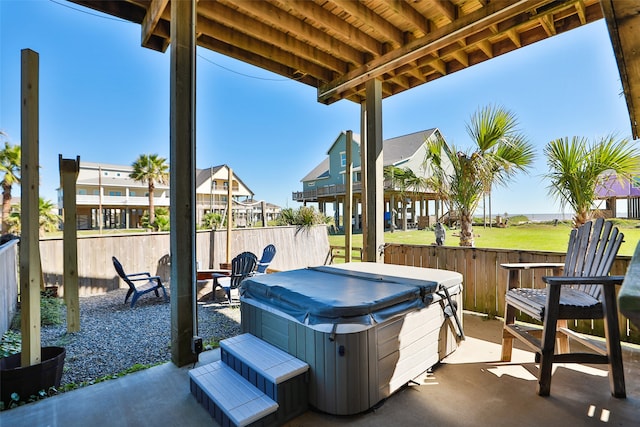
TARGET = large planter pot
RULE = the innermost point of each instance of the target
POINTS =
(27, 381)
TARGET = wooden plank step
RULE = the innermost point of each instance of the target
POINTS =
(275, 365)
(225, 394)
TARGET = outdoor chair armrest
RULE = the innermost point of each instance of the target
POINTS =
(146, 274)
(145, 278)
(531, 265)
(576, 280)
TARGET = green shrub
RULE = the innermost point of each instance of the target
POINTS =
(10, 343)
(50, 312)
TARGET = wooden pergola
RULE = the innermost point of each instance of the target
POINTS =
(362, 51)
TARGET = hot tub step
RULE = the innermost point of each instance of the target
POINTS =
(279, 375)
(229, 398)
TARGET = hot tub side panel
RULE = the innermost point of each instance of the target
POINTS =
(339, 380)
(350, 373)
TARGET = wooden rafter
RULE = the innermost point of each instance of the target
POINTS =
(151, 19)
(425, 45)
(348, 32)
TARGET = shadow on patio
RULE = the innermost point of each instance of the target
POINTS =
(468, 388)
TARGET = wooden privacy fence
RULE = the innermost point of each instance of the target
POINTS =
(296, 248)
(485, 282)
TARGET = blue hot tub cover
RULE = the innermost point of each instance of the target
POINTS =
(362, 293)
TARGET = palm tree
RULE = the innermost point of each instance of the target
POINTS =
(500, 152)
(10, 166)
(48, 220)
(576, 167)
(152, 169)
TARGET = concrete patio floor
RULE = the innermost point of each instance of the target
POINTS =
(469, 388)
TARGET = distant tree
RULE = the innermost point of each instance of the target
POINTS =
(500, 151)
(161, 223)
(211, 221)
(576, 167)
(10, 168)
(152, 169)
(48, 220)
(305, 216)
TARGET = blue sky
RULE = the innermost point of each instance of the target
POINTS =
(105, 98)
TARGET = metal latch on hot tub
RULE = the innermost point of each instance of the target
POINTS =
(451, 310)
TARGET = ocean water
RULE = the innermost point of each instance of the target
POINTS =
(546, 216)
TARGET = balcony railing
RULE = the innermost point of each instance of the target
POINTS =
(94, 200)
(324, 191)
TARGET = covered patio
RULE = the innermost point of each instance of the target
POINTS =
(358, 51)
(362, 52)
(470, 387)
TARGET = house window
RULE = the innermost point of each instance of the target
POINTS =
(312, 184)
(225, 185)
(115, 193)
(635, 182)
(82, 192)
(357, 177)
(343, 159)
(214, 184)
(132, 193)
(96, 192)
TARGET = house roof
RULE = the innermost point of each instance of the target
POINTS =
(396, 150)
(202, 175)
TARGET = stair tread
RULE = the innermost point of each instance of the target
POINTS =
(274, 364)
(241, 401)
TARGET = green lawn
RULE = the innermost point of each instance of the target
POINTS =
(533, 236)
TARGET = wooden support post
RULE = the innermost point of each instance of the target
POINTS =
(30, 269)
(263, 205)
(374, 180)
(69, 169)
(348, 198)
(183, 156)
(229, 213)
(363, 177)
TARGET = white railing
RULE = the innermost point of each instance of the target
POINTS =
(8, 283)
(94, 200)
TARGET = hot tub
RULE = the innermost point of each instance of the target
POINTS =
(365, 329)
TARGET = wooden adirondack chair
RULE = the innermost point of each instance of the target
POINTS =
(584, 291)
(268, 254)
(241, 267)
(139, 283)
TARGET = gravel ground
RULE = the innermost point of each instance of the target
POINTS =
(113, 337)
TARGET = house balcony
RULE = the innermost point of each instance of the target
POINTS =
(120, 201)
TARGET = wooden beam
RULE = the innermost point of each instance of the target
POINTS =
(447, 9)
(69, 169)
(266, 40)
(30, 267)
(486, 47)
(258, 61)
(438, 39)
(289, 24)
(462, 57)
(514, 37)
(404, 10)
(546, 22)
(323, 17)
(623, 20)
(372, 20)
(154, 11)
(182, 171)
(374, 160)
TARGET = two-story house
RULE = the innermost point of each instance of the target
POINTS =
(325, 184)
(108, 189)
